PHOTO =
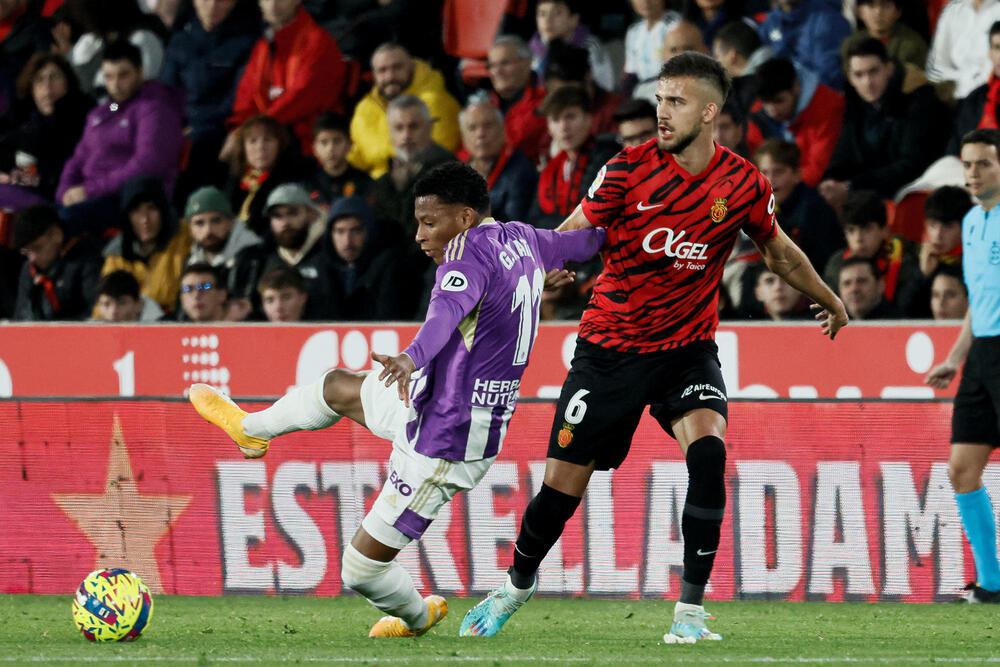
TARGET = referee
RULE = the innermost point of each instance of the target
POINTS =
(975, 423)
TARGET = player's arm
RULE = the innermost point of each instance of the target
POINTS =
(942, 374)
(787, 260)
(576, 220)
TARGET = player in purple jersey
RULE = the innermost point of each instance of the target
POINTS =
(448, 426)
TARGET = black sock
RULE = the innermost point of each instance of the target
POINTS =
(542, 524)
(701, 523)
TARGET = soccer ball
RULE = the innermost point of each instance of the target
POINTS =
(112, 606)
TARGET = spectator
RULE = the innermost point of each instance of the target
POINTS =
(644, 43)
(580, 156)
(335, 177)
(949, 295)
(510, 175)
(560, 20)
(863, 290)
(731, 130)
(710, 16)
(943, 213)
(683, 36)
(59, 279)
(795, 106)
(863, 218)
(39, 136)
(957, 52)
(881, 20)
(397, 73)
(10, 272)
(295, 72)
(150, 247)
(296, 228)
(739, 48)
(205, 58)
(567, 65)
(414, 153)
(203, 295)
(119, 300)
(264, 159)
(802, 213)
(23, 31)
(217, 235)
(101, 23)
(894, 126)
(979, 109)
(780, 300)
(364, 275)
(636, 121)
(808, 32)
(136, 133)
(517, 94)
(283, 294)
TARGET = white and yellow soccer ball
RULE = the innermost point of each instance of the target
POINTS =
(112, 606)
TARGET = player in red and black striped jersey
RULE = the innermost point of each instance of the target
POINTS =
(672, 208)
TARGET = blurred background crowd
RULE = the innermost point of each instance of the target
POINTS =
(229, 160)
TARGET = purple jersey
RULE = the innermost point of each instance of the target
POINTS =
(480, 326)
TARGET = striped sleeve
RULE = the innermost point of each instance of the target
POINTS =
(605, 199)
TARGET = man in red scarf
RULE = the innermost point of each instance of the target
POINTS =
(296, 72)
(979, 109)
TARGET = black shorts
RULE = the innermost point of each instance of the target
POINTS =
(606, 391)
(976, 417)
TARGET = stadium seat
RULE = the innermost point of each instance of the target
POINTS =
(468, 29)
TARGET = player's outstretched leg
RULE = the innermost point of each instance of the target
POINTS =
(487, 617)
(390, 589)
(307, 408)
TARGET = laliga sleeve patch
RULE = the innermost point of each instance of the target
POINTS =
(454, 281)
(597, 182)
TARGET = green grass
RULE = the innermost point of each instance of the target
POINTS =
(277, 629)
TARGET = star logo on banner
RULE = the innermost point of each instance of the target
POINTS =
(123, 525)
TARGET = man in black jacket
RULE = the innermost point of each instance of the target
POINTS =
(894, 126)
(59, 280)
(979, 109)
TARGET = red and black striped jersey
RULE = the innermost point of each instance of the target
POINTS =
(669, 235)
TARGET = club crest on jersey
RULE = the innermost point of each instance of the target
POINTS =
(719, 210)
(565, 435)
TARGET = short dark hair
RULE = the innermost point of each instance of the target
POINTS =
(734, 111)
(566, 62)
(872, 2)
(867, 47)
(455, 183)
(983, 136)
(698, 66)
(122, 49)
(739, 37)
(635, 109)
(118, 284)
(862, 207)
(994, 29)
(953, 270)
(948, 204)
(781, 151)
(332, 122)
(33, 222)
(279, 278)
(774, 77)
(572, 5)
(855, 260)
(564, 98)
(204, 267)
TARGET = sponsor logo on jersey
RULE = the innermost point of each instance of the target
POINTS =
(454, 281)
(705, 392)
(597, 182)
(664, 240)
(647, 207)
(398, 483)
(719, 210)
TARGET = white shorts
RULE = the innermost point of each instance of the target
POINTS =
(417, 486)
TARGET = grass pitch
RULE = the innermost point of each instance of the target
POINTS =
(291, 629)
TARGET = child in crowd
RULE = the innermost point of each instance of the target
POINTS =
(335, 177)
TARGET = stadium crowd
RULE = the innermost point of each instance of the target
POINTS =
(227, 160)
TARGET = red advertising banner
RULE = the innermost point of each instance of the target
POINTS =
(826, 501)
(758, 361)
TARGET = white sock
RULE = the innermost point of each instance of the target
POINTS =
(301, 409)
(519, 594)
(682, 607)
(386, 585)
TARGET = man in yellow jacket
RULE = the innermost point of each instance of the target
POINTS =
(396, 73)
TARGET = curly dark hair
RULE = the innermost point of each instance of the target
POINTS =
(38, 61)
(455, 183)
